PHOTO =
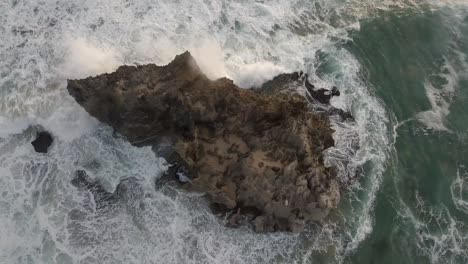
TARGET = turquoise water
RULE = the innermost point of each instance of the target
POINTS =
(411, 57)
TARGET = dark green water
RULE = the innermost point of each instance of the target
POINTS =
(411, 58)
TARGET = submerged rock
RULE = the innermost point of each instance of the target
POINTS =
(42, 142)
(243, 148)
(101, 197)
(128, 195)
(128, 191)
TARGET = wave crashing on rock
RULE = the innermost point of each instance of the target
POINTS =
(250, 151)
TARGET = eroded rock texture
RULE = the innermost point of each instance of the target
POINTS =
(245, 149)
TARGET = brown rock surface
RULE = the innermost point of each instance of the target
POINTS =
(244, 149)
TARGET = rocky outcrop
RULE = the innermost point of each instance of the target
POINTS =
(42, 142)
(249, 151)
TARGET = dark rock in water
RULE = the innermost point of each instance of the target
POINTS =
(341, 113)
(289, 82)
(335, 91)
(42, 142)
(243, 148)
(179, 170)
(282, 82)
(127, 195)
(286, 81)
(101, 197)
(127, 191)
(322, 95)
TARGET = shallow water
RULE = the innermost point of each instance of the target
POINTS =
(402, 70)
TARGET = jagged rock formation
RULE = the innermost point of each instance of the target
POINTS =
(245, 149)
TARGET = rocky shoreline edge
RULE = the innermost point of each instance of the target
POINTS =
(257, 154)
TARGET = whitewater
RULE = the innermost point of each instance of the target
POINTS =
(44, 219)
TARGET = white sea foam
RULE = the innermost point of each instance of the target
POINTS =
(8, 126)
(69, 122)
(37, 197)
(371, 134)
(209, 56)
(459, 191)
(85, 58)
(440, 99)
(66, 122)
(452, 71)
(438, 234)
(255, 74)
(440, 231)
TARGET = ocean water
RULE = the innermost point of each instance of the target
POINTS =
(402, 68)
